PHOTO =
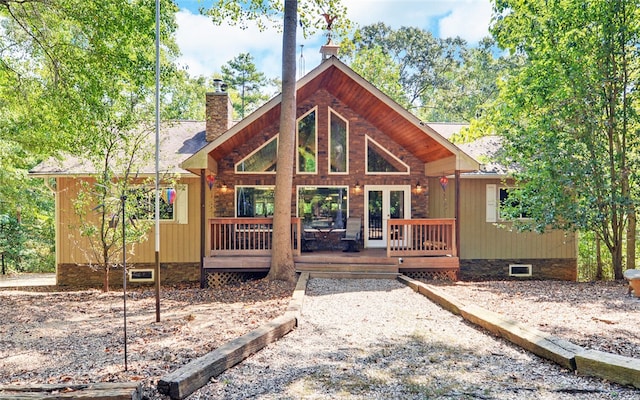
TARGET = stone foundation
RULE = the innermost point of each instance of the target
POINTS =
(84, 276)
(552, 269)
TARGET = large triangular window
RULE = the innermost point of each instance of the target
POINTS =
(307, 140)
(382, 161)
(262, 160)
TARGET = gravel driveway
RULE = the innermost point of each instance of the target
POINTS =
(364, 339)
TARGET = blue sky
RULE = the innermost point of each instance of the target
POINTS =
(206, 47)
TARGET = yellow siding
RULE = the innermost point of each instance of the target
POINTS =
(486, 240)
(178, 242)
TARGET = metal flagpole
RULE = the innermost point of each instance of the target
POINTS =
(157, 207)
(123, 199)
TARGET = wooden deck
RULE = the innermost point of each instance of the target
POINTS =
(421, 248)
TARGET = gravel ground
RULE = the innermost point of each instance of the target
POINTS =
(363, 339)
(357, 339)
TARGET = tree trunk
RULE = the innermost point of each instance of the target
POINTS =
(282, 266)
(599, 276)
(631, 238)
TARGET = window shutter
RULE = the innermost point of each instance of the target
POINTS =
(182, 204)
(492, 210)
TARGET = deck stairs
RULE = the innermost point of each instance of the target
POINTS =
(347, 265)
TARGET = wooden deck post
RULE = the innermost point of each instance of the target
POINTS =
(457, 212)
(203, 227)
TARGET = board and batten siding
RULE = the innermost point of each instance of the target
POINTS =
(483, 235)
(179, 240)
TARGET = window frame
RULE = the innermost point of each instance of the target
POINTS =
(345, 207)
(276, 137)
(297, 156)
(378, 145)
(237, 193)
(332, 112)
(179, 207)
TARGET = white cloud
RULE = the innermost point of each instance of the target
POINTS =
(468, 19)
(205, 47)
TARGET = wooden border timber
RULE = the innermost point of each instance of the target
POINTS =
(613, 367)
(102, 391)
(194, 375)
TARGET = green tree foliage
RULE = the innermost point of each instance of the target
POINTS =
(100, 201)
(183, 97)
(379, 68)
(440, 79)
(268, 14)
(246, 83)
(569, 116)
(72, 74)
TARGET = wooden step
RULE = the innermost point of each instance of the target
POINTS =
(353, 275)
(359, 268)
(347, 258)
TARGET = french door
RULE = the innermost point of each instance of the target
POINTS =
(384, 202)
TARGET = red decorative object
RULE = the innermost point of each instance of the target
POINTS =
(171, 195)
(443, 182)
(211, 179)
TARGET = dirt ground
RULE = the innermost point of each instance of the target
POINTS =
(78, 336)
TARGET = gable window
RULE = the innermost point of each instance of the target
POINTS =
(307, 143)
(382, 161)
(262, 160)
(338, 143)
(254, 201)
(323, 207)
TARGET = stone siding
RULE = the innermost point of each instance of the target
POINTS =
(483, 270)
(219, 114)
(84, 276)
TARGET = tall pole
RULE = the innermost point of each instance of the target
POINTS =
(123, 198)
(157, 208)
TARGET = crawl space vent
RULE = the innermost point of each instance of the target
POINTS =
(520, 270)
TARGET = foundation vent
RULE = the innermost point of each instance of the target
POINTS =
(520, 270)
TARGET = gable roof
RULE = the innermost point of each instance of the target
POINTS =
(483, 149)
(178, 141)
(363, 98)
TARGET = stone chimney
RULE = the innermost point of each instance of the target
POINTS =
(219, 111)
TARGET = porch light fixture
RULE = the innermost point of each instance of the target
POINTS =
(418, 188)
(224, 188)
(211, 179)
(357, 188)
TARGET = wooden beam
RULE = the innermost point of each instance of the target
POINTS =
(191, 377)
(612, 367)
(92, 391)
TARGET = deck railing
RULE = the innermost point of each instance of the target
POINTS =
(421, 237)
(247, 236)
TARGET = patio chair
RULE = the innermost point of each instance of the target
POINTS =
(308, 238)
(352, 234)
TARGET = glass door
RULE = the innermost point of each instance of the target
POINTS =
(384, 203)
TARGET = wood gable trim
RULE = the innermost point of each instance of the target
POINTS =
(361, 96)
